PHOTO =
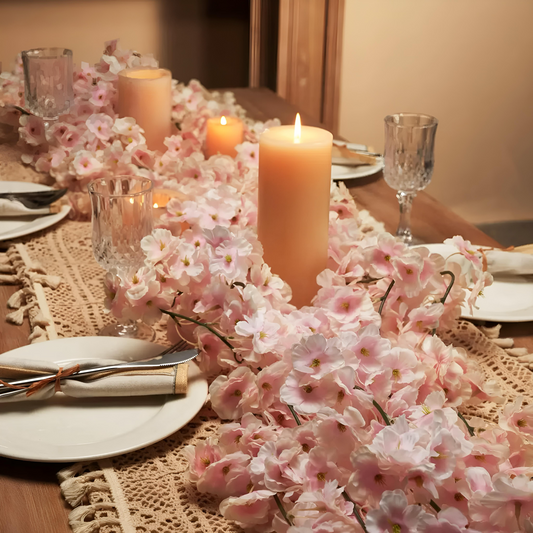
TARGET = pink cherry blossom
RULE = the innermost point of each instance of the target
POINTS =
(466, 249)
(317, 356)
(101, 125)
(394, 514)
(32, 130)
(228, 476)
(85, 164)
(200, 457)
(231, 395)
(250, 509)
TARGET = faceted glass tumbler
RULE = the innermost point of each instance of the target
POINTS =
(121, 217)
(48, 81)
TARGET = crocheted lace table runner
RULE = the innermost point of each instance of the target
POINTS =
(62, 293)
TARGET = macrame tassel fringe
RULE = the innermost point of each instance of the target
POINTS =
(37, 335)
(76, 489)
(83, 519)
(9, 279)
(19, 297)
(47, 281)
(522, 354)
(17, 317)
(71, 471)
(7, 269)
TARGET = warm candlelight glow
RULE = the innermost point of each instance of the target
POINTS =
(131, 200)
(223, 135)
(293, 205)
(155, 206)
(297, 129)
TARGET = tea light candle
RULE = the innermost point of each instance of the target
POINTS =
(146, 95)
(293, 205)
(223, 135)
(160, 199)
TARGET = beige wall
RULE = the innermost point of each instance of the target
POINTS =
(470, 64)
(81, 25)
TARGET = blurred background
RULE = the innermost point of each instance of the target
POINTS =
(348, 63)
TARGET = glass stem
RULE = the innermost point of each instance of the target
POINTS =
(404, 227)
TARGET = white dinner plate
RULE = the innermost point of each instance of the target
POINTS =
(66, 429)
(508, 299)
(13, 227)
(344, 172)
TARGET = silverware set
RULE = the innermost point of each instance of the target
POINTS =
(165, 359)
(35, 199)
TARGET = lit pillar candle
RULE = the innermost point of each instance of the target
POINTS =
(223, 135)
(146, 95)
(293, 205)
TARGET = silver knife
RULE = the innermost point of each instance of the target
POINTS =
(162, 361)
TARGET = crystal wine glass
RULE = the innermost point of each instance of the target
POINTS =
(409, 160)
(48, 82)
(121, 217)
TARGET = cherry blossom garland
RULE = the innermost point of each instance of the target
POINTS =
(306, 450)
(91, 141)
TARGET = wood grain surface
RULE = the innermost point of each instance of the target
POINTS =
(30, 501)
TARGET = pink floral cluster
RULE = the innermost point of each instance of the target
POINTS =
(343, 414)
(91, 141)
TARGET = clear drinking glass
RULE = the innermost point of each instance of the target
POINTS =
(409, 160)
(121, 217)
(48, 82)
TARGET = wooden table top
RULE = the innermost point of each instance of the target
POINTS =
(30, 500)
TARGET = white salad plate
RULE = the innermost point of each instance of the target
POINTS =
(344, 172)
(66, 429)
(13, 227)
(508, 299)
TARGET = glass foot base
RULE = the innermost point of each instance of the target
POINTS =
(131, 330)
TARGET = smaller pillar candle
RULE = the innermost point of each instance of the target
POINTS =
(146, 95)
(223, 135)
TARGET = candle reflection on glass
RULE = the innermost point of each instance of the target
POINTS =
(293, 205)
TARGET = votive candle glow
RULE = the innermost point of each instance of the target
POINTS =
(223, 135)
(293, 205)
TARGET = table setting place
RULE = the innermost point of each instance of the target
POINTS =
(222, 338)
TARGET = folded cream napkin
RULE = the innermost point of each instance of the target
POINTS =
(170, 380)
(511, 263)
(13, 208)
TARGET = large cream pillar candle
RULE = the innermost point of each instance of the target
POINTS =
(146, 95)
(293, 205)
(223, 135)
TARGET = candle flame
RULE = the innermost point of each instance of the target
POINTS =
(155, 206)
(223, 121)
(131, 200)
(297, 129)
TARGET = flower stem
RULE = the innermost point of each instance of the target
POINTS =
(468, 426)
(358, 516)
(282, 509)
(434, 505)
(379, 408)
(293, 412)
(175, 316)
(449, 288)
(384, 297)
